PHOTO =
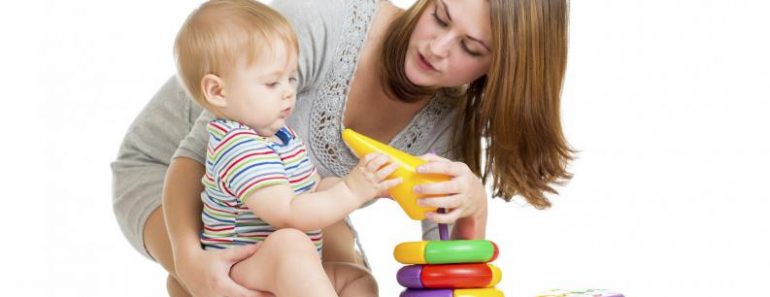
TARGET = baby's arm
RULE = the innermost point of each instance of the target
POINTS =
(338, 238)
(278, 206)
(325, 183)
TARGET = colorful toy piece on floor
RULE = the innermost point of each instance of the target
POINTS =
(579, 293)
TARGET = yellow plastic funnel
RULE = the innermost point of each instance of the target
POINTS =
(403, 193)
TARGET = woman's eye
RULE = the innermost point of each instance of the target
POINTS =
(469, 51)
(439, 21)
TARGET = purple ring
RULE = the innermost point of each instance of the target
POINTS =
(427, 293)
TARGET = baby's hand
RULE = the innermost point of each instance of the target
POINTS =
(368, 178)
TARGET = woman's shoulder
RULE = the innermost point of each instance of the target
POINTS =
(323, 27)
(328, 15)
(300, 12)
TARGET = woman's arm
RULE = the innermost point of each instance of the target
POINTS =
(204, 273)
(473, 226)
(181, 211)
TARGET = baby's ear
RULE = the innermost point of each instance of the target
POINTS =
(214, 90)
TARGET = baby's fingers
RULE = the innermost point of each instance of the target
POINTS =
(387, 184)
(386, 171)
(374, 163)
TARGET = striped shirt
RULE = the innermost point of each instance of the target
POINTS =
(238, 163)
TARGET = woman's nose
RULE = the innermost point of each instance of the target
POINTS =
(439, 46)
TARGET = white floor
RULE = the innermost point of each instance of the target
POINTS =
(666, 102)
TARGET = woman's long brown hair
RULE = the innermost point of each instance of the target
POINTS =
(515, 107)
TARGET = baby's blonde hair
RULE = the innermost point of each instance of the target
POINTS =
(219, 33)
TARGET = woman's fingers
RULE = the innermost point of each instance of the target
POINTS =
(230, 288)
(445, 218)
(442, 167)
(439, 188)
(448, 202)
(237, 254)
(433, 158)
(209, 274)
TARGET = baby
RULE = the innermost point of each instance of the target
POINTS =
(238, 59)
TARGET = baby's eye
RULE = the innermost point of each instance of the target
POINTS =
(272, 84)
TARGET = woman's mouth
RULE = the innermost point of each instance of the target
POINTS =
(424, 64)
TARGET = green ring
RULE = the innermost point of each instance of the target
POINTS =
(459, 251)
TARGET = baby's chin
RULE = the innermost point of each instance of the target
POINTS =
(267, 131)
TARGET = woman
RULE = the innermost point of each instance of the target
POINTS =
(438, 77)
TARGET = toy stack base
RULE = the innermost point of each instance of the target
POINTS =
(488, 292)
(449, 268)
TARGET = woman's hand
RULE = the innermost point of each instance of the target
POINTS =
(202, 273)
(463, 196)
(207, 273)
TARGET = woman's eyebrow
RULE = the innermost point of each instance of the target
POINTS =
(479, 41)
(446, 8)
(449, 16)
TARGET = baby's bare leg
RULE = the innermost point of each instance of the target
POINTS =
(351, 280)
(285, 264)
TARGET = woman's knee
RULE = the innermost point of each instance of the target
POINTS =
(349, 277)
(136, 193)
(350, 269)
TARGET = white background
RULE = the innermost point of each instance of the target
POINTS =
(667, 102)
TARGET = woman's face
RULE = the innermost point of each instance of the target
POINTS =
(451, 44)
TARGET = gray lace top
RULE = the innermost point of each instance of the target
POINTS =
(331, 34)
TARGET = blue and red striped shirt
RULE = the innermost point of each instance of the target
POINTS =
(239, 162)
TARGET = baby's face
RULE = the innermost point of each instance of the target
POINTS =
(262, 95)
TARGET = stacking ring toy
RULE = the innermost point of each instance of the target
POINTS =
(407, 164)
(488, 292)
(449, 276)
(446, 252)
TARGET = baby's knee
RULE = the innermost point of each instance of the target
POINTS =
(292, 241)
